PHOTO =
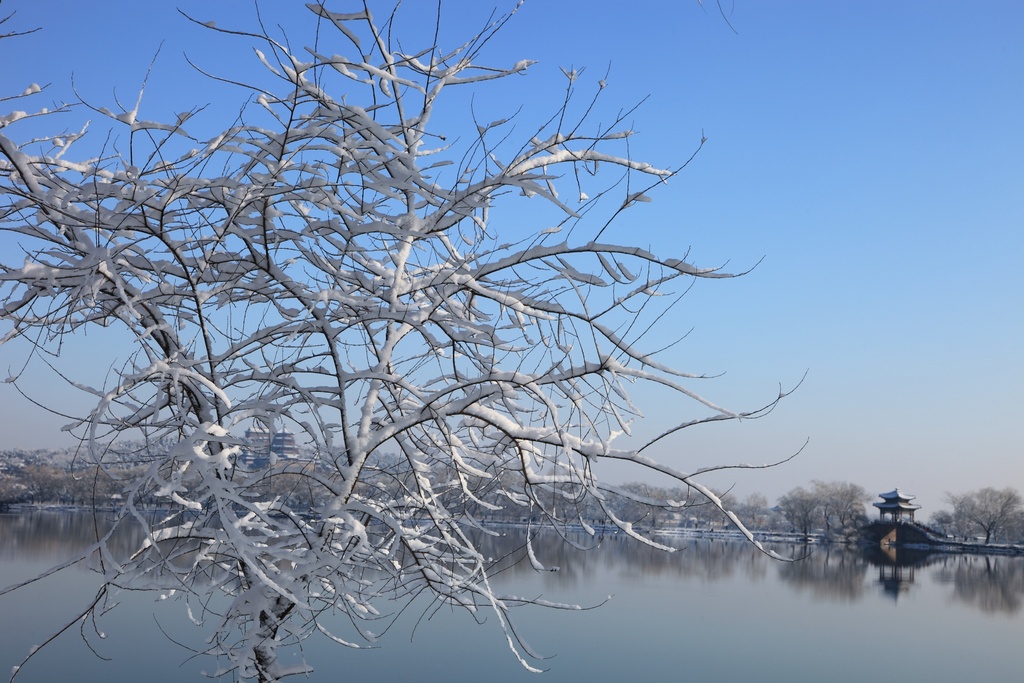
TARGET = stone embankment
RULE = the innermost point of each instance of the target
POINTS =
(913, 535)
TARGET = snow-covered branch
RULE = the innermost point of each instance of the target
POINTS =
(316, 266)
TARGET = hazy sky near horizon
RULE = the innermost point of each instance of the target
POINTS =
(871, 153)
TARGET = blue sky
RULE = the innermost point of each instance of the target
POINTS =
(871, 152)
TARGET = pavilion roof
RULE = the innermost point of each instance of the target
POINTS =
(896, 494)
(896, 505)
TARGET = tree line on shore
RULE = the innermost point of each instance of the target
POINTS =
(834, 510)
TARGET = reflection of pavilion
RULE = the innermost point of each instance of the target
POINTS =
(897, 567)
(894, 576)
(896, 504)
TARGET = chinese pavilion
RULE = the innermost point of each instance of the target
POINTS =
(896, 504)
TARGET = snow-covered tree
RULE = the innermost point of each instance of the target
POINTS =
(328, 263)
(841, 505)
(987, 511)
(802, 509)
(755, 512)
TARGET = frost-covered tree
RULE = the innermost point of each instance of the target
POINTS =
(802, 509)
(328, 263)
(987, 511)
(841, 504)
(755, 512)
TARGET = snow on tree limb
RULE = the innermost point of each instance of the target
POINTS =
(323, 269)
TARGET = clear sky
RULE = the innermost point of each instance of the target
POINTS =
(871, 152)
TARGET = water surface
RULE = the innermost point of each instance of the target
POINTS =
(713, 611)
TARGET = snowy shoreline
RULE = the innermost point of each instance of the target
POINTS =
(790, 538)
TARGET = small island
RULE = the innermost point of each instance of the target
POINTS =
(896, 527)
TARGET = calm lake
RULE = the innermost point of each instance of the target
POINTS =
(718, 610)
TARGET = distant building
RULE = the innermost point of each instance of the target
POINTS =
(283, 445)
(896, 504)
(257, 443)
(261, 444)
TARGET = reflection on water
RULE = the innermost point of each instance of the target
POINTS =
(56, 536)
(694, 559)
(704, 602)
(988, 583)
(897, 567)
(828, 572)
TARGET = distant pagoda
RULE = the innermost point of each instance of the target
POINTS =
(283, 445)
(896, 504)
(262, 445)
